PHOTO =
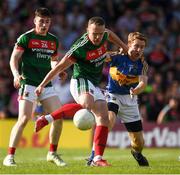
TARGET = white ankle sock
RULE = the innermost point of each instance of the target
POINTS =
(49, 118)
(96, 158)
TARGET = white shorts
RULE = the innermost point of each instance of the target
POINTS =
(81, 85)
(26, 92)
(128, 107)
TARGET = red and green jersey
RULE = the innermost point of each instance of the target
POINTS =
(36, 59)
(89, 58)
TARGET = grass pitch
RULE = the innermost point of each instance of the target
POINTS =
(33, 161)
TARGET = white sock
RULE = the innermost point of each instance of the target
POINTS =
(10, 155)
(49, 118)
(96, 158)
(52, 152)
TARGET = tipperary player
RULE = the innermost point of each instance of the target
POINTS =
(127, 79)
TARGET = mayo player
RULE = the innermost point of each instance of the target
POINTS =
(30, 61)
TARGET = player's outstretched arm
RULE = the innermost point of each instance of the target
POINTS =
(60, 67)
(116, 40)
(141, 85)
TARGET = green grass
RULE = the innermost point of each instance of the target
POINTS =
(33, 161)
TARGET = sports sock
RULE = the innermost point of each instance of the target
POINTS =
(49, 118)
(52, 148)
(11, 150)
(92, 152)
(92, 155)
(100, 139)
(65, 111)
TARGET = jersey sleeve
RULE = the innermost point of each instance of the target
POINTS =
(106, 35)
(114, 60)
(22, 42)
(56, 53)
(111, 56)
(144, 68)
(74, 54)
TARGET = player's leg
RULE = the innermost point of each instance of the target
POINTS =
(130, 115)
(127, 109)
(51, 102)
(113, 108)
(65, 111)
(137, 142)
(99, 108)
(135, 135)
(100, 133)
(112, 114)
(25, 113)
(85, 93)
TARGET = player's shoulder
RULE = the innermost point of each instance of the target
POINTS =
(119, 56)
(81, 42)
(106, 32)
(78, 45)
(114, 55)
(25, 35)
(29, 32)
(144, 66)
(143, 61)
(51, 35)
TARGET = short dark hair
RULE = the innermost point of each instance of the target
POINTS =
(43, 12)
(96, 20)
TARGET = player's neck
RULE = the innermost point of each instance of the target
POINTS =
(39, 33)
(132, 58)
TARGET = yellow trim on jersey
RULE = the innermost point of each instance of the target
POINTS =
(121, 78)
(145, 67)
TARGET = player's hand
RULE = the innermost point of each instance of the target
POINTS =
(17, 81)
(131, 91)
(63, 76)
(39, 90)
(122, 51)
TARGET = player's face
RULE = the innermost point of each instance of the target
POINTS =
(95, 33)
(42, 24)
(136, 49)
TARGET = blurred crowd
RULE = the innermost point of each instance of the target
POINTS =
(159, 20)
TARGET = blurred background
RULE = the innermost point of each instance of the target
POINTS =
(159, 20)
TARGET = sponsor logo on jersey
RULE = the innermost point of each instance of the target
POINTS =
(94, 54)
(41, 44)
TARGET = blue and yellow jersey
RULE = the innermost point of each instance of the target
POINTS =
(124, 73)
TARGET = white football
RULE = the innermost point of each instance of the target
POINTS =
(84, 119)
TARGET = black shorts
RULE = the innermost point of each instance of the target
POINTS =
(134, 126)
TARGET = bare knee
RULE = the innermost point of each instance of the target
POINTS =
(88, 106)
(87, 101)
(102, 120)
